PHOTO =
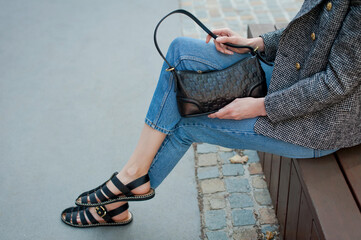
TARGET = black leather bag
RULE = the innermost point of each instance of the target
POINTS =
(201, 93)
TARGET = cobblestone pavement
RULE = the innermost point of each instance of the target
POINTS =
(236, 14)
(233, 197)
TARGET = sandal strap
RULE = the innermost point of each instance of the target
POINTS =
(121, 187)
(68, 216)
(108, 192)
(84, 199)
(82, 218)
(74, 215)
(138, 182)
(90, 216)
(92, 198)
(100, 195)
(118, 210)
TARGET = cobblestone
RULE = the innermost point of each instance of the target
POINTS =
(217, 202)
(212, 186)
(215, 219)
(237, 185)
(232, 170)
(255, 168)
(267, 216)
(259, 182)
(240, 200)
(207, 172)
(243, 217)
(263, 197)
(208, 159)
(245, 234)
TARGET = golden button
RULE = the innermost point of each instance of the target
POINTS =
(313, 36)
(298, 66)
(329, 6)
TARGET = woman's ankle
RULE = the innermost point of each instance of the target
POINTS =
(127, 175)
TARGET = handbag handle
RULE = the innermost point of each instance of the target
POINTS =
(254, 52)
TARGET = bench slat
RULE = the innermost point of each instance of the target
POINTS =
(294, 198)
(284, 183)
(305, 220)
(350, 162)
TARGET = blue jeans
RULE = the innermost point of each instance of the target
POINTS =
(193, 54)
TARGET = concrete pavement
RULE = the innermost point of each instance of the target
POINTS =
(76, 78)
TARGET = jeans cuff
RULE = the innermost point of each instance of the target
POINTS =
(152, 125)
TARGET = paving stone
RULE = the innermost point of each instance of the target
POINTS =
(259, 182)
(212, 185)
(243, 217)
(232, 170)
(267, 216)
(217, 202)
(255, 168)
(237, 185)
(253, 155)
(240, 200)
(207, 172)
(245, 233)
(206, 148)
(207, 159)
(218, 235)
(225, 156)
(215, 219)
(262, 197)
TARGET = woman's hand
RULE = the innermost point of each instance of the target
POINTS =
(241, 108)
(225, 35)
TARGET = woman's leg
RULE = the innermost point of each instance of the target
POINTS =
(237, 134)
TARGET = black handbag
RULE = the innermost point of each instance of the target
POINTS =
(201, 93)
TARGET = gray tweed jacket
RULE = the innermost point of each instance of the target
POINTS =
(314, 98)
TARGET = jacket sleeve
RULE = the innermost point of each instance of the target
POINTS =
(341, 77)
(271, 40)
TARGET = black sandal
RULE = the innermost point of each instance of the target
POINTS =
(69, 216)
(109, 197)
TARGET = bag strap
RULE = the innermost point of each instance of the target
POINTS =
(254, 52)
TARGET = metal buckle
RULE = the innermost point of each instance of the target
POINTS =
(101, 211)
(255, 50)
(170, 69)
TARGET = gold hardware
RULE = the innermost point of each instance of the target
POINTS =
(255, 50)
(101, 210)
(298, 66)
(329, 6)
(199, 71)
(313, 36)
(170, 69)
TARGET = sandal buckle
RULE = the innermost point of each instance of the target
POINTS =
(101, 211)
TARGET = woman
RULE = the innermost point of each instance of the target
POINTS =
(312, 107)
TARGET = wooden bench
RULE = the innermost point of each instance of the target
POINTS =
(314, 198)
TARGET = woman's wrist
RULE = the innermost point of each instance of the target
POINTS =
(258, 43)
(261, 107)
